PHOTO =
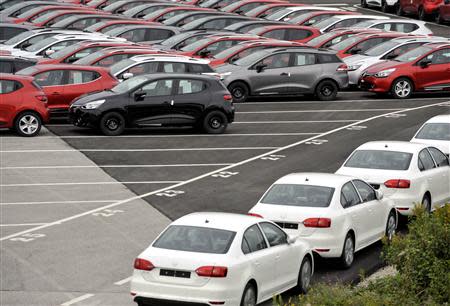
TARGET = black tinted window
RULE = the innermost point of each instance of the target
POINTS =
(299, 195)
(377, 159)
(196, 68)
(297, 34)
(254, 239)
(425, 161)
(275, 236)
(439, 157)
(328, 58)
(349, 196)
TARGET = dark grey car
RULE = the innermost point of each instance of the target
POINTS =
(285, 71)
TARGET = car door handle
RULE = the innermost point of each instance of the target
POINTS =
(277, 257)
(286, 74)
(56, 93)
(256, 263)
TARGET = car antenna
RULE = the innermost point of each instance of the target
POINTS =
(206, 221)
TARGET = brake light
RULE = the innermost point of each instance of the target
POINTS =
(255, 215)
(317, 222)
(228, 97)
(212, 271)
(401, 184)
(143, 264)
(342, 67)
(42, 98)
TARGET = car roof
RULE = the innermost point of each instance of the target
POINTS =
(169, 58)
(15, 77)
(218, 220)
(309, 7)
(315, 179)
(375, 21)
(438, 45)
(342, 17)
(15, 57)
(440, 119)
(146, 26)
(287, 26)
(44, 67)
(408, 39)
(399, 146)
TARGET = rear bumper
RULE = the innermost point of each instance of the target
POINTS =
(158, 302)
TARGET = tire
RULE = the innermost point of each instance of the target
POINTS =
(112, 124)
(215, 122)
(438, 18)
(249, 296)
(402, 88)
(399, 10)
(391, 226)
(426, 203)
(326, 90)
(364, 4)
(239, 91)
(28, 124)
(348, 252)
(304, 276)
(422, 15)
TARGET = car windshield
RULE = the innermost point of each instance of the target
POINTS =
(320, 39)
(173, 40)
(435, 131)
(413, 54)
(364, 24)
(198, 44)
(302, 17)
(95, 26)
(39, 45)
(89, 59)
(251, 58)
(118, 67)
(18, 38)
(129, 84)
(325, 23)
(278, 14)
(65, 51)
(346, 43)
(382, 48)
(378, 159)
(195, 239)
(30, 12)
(299, 195)
(135, 10)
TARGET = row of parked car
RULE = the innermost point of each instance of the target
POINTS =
(243, 49)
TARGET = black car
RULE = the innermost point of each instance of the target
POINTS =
(157, 100)
(12, 64)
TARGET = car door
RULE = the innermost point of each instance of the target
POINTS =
(150, 104)
(10, 100)
(262, 259)
(287, 259)
(274, 77)
(435, 75)
(80, 82)
(52, 83)
(190, 99)
(305, 72)
(430, 174)
(443, 170)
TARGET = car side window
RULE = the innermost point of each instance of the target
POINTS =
(158, 88)
(82, 53)
(144, 68)
(190, 86)
(303, 59)
(440, 57)
(274, 235)
(401, 50)
(439, 157)
(365, 191)
(8, 86)
(61, 45)
(369, 43)
(280, 60)
(349, 196)
(158, 34)
(425, 161)
(276, 34)
(197, 68)
(384, 26)
(404, 27)
(110, 60)
(6, 67)
(254, 239)
(50, 78)
(174, 67)
(80, 77)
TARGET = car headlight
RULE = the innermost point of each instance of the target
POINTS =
(384, 73)
(353, 67)
(93, 104)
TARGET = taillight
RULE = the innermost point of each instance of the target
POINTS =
(212, 271)
(317, 222)
(342, 67)
(402, 184)
(228, 97)
(143, 264)
(255, 215)
(42, 98)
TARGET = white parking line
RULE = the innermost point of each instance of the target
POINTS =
(58, 202)
(139, 150)
(22, 224)
(183, 135)
(341, 101)
(294, 121)
(90, 183)
(116, 166)
(323, 111)
(123, 281)
(78, 299)
(246, 161)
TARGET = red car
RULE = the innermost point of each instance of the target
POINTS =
(295, 33)
(79, 50)
(23, 105)
(110, 56)
(333, 37)
(62, 83)
(245, 48)
(267, 9)
(53, 17)
(106, 25)
(422, 8)
(166, 13)
(311, 18)
(211, 45)
(243, 6)
(426, 68)
(443, 14)
(36, 12)
(360, 43)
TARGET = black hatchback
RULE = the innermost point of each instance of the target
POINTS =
(157, 100)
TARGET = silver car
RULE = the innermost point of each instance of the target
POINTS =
(285, 71)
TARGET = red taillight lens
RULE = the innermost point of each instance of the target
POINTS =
(402, 184)
(342, 67)
(212, 271)
(255, 215)
(42, 98)
(228, 97)
(143, 264)
(317, 222)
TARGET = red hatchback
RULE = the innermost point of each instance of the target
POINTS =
(333, 37)
(426, 68)
(295, 33)
(244, 6)
(63, 82)
(443, 14)
(110, 56)
(23, 105)
(308, 19)
(421, 8)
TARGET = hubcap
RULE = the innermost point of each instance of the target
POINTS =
(28, 124)
(426, 205)
(238, 92)
(327, 91)
(112, 124)
(249, 297)
(402, 89)
(348, 250)
(391, 228)
(215, 122)
(306, 274)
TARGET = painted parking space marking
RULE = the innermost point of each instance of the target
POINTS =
(317, 142)
(169, 193)
(115, 166)
(357, 128)
(123, 281)
(78, 299)
(90, 183)
(107, 213)
(295, 121)
(273, 157)
(321, 111)
(27, 237)
(395, 116)
(172, 188)
(139, 150)
(21, 224)
(225, 174)
(184, 135)
(58, 202)
(340, 101)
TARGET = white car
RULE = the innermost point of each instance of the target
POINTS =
(294, 11)
(220, 259)
(336, 214)
(408, 173)
(388, 50)
(385, 5)
(435, 132)
(344, 21)
(415, 27)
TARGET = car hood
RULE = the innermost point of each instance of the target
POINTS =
(355, 59)
(383, 66)
(90, 97)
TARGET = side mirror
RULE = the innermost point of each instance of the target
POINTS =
(379, 195)
(260, 67)
(49, 52)
(127, 75)
(292, 239)
(204, 53)
(425, 63)
(139, 95)
(355, 51)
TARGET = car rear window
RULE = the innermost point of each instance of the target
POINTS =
(378, 159)
(195, 239)
(299, 195)
(436, 131)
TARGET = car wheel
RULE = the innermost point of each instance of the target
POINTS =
(422, 15)
(112, 124)
(215, 122)
(402, 88)
(28, 124)
(326, 90)
(426, 203)
(364, 3)
(249, 296)
(399, 10)
(304, 276)
(391, 226)
(239, 91)
(348, 252)
(438, 18)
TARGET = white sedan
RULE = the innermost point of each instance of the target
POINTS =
(220, 259)
(408, 173)
(435, 132)
(337, 214)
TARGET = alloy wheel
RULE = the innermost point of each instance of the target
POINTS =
(348, 250)
(402, 89)
(28, 124)
(250, 297)
(306, 274)
(391, 227)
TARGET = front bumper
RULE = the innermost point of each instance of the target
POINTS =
(80, 117)
(373, 84)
